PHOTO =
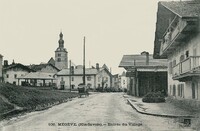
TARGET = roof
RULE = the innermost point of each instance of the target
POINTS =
(152, 70)
(116, 75)
(38, 75)
(168, 10)
(88, 71)
(51, 61)
(105, 66)
(183, 8)
(18, 65)
(1, 55)
(41, 66)
(140, 61)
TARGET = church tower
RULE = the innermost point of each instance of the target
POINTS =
(61, 54)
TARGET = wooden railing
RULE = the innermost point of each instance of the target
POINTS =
(172, 35)
(188, 65)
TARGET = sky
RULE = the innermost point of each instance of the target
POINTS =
(29, 30)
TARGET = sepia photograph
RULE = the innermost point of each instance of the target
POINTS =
(99, 65)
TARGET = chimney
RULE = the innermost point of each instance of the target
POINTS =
(147, 56)
(5, 63)
(13, 62)
(97, 66)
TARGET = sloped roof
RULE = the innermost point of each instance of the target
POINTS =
(38, 75)
(105, 66)
(51, 61)
(115, 76)
(140, 60)
(168, 10)
(41, 66)
(183, 8)
(17, 65)
(88, 71)
(1, 55)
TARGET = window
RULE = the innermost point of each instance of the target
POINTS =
(59, 60)
(15, 75)
(72, 78)
(179, 90)
(89, 78)
(14, 82)
(59, 55)
(174, 90)
(7, 75)
(194, 90)
(182, 90)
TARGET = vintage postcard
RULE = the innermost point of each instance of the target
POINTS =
(99, 65)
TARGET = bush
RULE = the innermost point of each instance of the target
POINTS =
(153, 97)
(5, 106)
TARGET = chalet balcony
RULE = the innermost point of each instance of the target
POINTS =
(177, 33)
(187, 69)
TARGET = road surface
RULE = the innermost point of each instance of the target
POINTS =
(100, 112)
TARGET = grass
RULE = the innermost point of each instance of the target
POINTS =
(5, 107)
(29, 98)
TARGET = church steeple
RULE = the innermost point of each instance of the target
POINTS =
(61, 57)
(61, 41)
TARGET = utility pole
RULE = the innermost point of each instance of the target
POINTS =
(84, 61)
(70, 73)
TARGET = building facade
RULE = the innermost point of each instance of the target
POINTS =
(116, 82)
(123, 81)
(43, 75)
(177, 38)
(13, 71)
(61, 54)
(145, 74)
(95, 78)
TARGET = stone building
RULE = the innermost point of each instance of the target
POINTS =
(98, 77)
(61, 55)
(181, 19)
(13, 71)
